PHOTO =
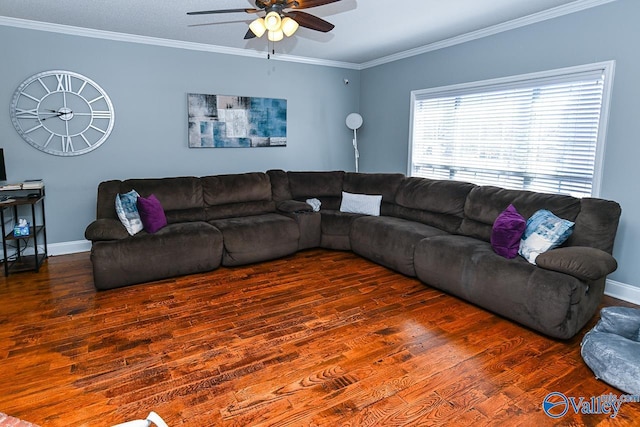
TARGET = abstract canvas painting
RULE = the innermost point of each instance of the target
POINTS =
(223, 121)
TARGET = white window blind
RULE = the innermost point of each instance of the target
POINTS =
(536, 132)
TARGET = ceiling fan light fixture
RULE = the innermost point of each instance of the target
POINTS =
(289, 26)
(275, 36)
(257, 27)
(272, 21)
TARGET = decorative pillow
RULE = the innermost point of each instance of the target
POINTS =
(361, 203)
(507, 232)
(151, 213)
(127, 211)
(544, 231)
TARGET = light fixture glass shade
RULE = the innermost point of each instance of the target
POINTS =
(289, 26)
(275, 36)
(257, 27)
(272, 21)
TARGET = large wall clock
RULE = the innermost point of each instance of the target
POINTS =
(62, 113)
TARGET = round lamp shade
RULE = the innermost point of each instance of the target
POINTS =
(354, 121)
(272, 21)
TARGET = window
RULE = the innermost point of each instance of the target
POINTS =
(541, 132)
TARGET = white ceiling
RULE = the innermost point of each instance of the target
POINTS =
(366, 30)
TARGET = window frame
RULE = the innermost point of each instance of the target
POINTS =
(555, 75)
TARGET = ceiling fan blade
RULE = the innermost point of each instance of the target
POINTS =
(208, 12)
(249, 35)
(309, 21)
(306, 4)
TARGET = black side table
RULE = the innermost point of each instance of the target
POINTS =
(37, 234)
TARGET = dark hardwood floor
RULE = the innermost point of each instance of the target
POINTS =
(321, 338)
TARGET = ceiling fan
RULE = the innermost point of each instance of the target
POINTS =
(278, 20)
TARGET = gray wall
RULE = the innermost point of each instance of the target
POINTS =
(602, 33)
(148, 86)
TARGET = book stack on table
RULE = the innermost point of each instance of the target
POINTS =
(29, 184)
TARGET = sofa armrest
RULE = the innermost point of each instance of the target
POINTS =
(583, 262)
(105, 229)
(293, 206)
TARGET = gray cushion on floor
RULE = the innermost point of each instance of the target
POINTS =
(611, 349)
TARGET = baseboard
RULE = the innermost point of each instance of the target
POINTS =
(63, 248)
(622, 291)
(66, 248)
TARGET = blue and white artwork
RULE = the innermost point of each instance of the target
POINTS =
(223, 121)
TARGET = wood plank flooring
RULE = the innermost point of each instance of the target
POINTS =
(321, 338)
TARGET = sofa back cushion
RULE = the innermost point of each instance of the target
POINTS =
(438, 203)
(384, 184)
(325, 186)
(596, 224)
(485, 203)
(280, 190)
(236, 195)
(181, 197)
(107, 191)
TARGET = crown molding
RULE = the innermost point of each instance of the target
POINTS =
(545, 15)
(155, 41)
(555, 12)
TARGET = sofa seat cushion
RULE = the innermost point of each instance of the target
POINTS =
(335, 227)
(174, 250)
(545, 300)
(389, 241)
(257, 238)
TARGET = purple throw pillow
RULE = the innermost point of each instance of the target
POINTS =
(151, 213)
(507, 231)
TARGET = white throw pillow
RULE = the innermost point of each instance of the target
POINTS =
(361, 203)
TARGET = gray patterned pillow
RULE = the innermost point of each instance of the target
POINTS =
(544, 231)
(127, 211)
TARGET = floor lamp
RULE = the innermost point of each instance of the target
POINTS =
(354, 121)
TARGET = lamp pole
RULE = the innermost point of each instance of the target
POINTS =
(354, 121)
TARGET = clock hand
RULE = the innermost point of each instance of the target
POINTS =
(55, 115)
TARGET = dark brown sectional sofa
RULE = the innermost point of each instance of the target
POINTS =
(437, 231)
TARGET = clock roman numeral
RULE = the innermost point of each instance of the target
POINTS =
(67, 144)
(64, 82)
(101, 114)
(26, 114)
